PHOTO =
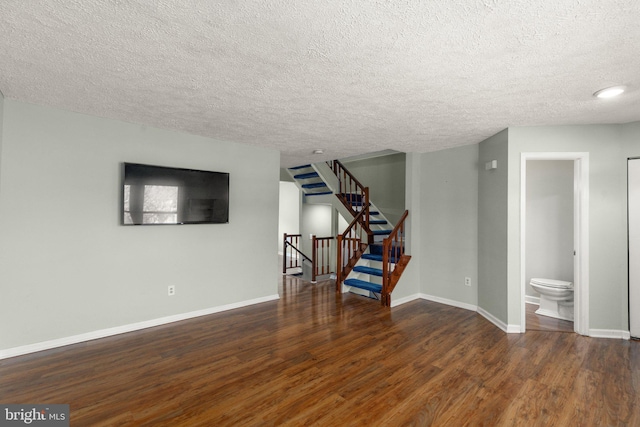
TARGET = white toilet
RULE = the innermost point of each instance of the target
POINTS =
(556, 298)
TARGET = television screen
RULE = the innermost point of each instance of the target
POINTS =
(162, 195)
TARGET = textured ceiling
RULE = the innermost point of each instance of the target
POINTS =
(347, 76)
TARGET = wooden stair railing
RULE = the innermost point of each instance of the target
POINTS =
(351, 244)
(321, 256)
(352, 193)
(393, 255)
(291, 252)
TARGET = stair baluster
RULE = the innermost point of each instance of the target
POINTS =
(352, 193)
(394, 260)
(321, 256)
(351, 245)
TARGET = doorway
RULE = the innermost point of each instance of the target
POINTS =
(580, 234)
(633, 195)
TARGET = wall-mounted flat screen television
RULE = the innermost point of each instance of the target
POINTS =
(163, 195)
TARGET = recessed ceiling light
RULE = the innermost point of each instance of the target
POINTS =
(609, 92)
(318, 151)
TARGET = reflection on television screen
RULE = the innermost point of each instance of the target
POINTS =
(160, 195)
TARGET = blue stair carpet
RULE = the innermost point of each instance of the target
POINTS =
(353, 198)
(314, 185)
(368, 270)
(377, 249)
(361, 284)
(374, 257)
(378, 222)
(381, 232)
(306, 175)
(299, 167)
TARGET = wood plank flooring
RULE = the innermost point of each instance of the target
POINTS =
(536, 322)
(312, 359)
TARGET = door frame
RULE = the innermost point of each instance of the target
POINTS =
(580, 233)
(632, 291)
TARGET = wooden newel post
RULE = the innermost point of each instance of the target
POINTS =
(284, 254)
(339, 263)
(385, 271)
(314, 258)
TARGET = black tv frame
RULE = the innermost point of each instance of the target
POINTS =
(202, 196)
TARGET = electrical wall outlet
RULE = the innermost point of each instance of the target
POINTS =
(467, 281)
(171, 291)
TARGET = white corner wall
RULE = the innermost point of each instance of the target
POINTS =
(68, 268)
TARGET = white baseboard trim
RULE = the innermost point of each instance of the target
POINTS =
(449, 302)
(532, 300)
(491, 318)
(510, 329)
(102, 333)
(404, 300)
(609, 333)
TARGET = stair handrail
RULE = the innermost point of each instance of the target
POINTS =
(350, 188)
(392, 250)
(321, 256)
(353, 236)
(291, 242)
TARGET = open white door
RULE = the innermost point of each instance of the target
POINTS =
(634, 246)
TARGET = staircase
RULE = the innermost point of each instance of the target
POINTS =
(307, 268)
(370, 252)
(373, 267)
(308, 179)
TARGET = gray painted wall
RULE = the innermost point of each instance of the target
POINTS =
(385, 177)
(449, 232)
(285, 175)
(631, 136)
(549, 228)
(409, 285)
(316, 219)
(289, 209)
(66, 265)
(492, 226)
(1, 133)
(608, 147)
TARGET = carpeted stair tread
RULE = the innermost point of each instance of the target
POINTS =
(361, 284)
(299, 167)
(351, 197)
(322, 193)
(314, 185)
(377, 222)
(374, 213)
(306, 175)
(376, 249)
(368, 270)
(376, 257)
(381, 232)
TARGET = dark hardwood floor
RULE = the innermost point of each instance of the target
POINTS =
(536, 322)
(312, 359)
